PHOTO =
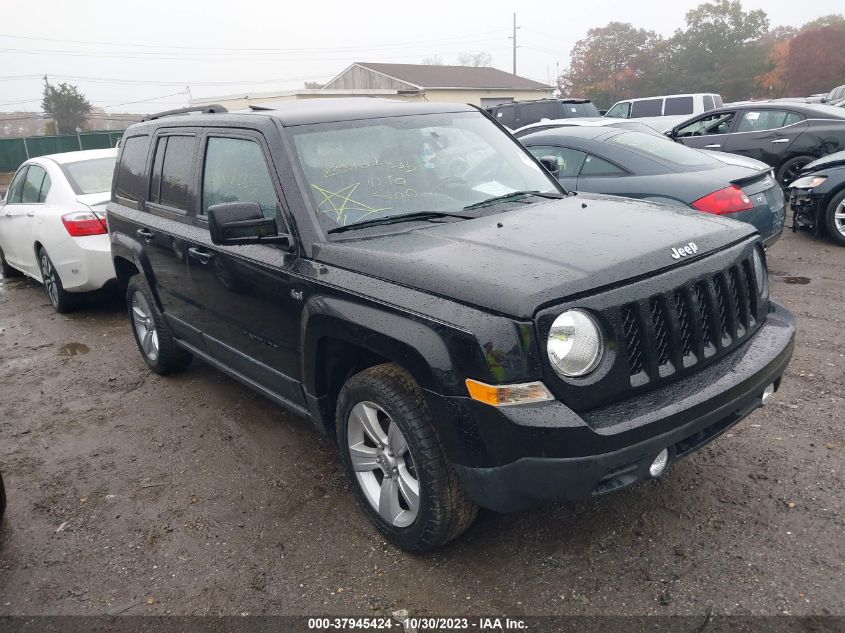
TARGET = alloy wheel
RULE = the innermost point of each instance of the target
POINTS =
(839, 218)
(383, 465)
(48, 275)
(145, 329)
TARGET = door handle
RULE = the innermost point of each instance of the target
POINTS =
(8, 214)
(200, 254)
(716, 146)
(145, 233)
(781, 140)
(30, 214)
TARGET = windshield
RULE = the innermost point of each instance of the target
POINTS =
(90, 176)
(663, 149)
(362, 170)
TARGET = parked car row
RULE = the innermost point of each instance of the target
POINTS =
(413, 281)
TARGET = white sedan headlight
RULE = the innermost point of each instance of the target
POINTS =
(575, 344)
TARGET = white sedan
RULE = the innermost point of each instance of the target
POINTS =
(53, 223)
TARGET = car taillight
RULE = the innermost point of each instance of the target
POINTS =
(84, 223)
(728, 200)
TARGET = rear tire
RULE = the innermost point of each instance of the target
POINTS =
(399, 471)
(62, 300)
(791, 169)
(152, 335)
(5, 269)
(836, 225)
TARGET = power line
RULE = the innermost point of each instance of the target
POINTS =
(457, 39)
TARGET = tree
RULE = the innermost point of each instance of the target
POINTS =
(816, 61)
(606, 65)
(481, 58)
(720, 50)
(66, 105)
(313, 85)
(434, 60)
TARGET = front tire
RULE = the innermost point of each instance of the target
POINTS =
(154, 338)
(834, 218)
(61, 299)
(396, 463)
(5, 269)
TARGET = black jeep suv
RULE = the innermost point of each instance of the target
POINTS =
(411, 279)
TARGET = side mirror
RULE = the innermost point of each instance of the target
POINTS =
(550, 163)
(602, 112)
(233, 223)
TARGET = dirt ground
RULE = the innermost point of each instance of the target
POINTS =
(131, 493)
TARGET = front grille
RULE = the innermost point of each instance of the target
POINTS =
(682, 328)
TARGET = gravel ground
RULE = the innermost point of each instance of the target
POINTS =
(131, 493)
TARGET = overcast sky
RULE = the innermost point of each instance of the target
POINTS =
(125, 51)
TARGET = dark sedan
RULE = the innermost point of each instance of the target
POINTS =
(649, 166)
(817, 197)
(786, 135)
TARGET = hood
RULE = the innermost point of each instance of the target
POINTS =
(541, 253)
(836, 159)
(737, 159)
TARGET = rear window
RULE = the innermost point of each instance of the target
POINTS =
(662, 149)
(130, 172)
(647, 107)
(680, 105)
(90, 176)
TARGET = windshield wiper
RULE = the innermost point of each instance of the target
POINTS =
(513, 194)
(394, 219)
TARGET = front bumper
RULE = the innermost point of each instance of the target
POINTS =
(571, 457)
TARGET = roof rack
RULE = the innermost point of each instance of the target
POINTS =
(214, 108)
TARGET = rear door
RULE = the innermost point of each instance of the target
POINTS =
(710, 131)
(20, 219)
(243, 298)
(765, 134)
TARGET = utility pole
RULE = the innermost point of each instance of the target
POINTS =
(515, 27)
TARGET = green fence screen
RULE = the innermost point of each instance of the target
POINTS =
(14, 151)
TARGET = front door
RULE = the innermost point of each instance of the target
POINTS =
(707, 132)
(243, 298)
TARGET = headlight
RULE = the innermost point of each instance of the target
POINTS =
(575, 344)
(761, 276)
(807, 182)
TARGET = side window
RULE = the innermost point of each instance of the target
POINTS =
(172, 165)
(129, 183)
(16, 188)
(235, 171)
(621, 110)
(712, 124)
(595, 166)
(680, 105)
(708, 103)
(45, 188)
(760, 121)
(717, 101)
(32, 184)
(569, 161)
(647, 107)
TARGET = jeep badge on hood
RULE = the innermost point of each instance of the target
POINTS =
(684, 251)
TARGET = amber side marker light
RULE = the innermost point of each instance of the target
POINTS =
(508, 395)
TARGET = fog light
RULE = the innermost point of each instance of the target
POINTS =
(768, 394)
(659, 463)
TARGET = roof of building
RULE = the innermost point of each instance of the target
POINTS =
(473, 77)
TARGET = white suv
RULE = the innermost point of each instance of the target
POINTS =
(668, 105)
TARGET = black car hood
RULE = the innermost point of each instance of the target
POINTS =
(517, 261)
(836, 159)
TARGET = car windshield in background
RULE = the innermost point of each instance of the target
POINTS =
(90, 176)
(437, 163)
(662, 149)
